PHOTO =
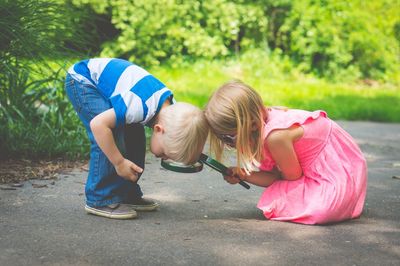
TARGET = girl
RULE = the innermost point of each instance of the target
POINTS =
(313, 171)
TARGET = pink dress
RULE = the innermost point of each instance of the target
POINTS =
(334, 181)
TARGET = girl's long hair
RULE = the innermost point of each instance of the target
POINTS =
(237, 109)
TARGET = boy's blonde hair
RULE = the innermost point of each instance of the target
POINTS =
(186, 131)
(237, 109)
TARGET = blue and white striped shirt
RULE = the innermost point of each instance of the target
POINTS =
(135, 94)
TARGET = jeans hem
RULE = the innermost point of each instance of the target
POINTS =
(102, 203)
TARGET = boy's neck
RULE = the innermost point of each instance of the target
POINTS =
(165, 104)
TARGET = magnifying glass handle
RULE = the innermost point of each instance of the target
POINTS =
(241, 182)
(244, 184)
(220, 168)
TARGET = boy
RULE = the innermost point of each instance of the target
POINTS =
(115, 99)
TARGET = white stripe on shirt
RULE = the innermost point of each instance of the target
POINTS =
(96, 67)
(134, 112)
(131, 75)
(152, 104)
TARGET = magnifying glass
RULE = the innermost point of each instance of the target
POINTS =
(198, 166)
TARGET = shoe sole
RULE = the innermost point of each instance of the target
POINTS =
(120, 216)
(144, 208)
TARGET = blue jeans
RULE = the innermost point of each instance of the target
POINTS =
(103, 185)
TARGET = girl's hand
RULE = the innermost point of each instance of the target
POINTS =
(235, 175)
(128, 170)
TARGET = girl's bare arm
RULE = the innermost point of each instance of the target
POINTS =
(280, 145)
(262, 178)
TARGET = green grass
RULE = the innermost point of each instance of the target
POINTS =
(280, 87)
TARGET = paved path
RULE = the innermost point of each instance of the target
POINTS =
(203, 221)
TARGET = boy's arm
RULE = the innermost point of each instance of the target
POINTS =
(101, 127)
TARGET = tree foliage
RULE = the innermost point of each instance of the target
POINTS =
(332, 37)
(327, 37)
(153, 31)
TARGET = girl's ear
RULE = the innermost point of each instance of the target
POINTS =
(158, 128)
(254, 126)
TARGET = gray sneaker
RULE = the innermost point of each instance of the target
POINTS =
(113, 211)
(142, 204)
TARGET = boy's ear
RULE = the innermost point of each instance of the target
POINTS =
(158, 128)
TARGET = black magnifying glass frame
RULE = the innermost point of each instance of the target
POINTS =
(198, 166)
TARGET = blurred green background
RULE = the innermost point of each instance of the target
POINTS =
(340, 56)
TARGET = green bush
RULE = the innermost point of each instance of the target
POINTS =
(34, 117)
(153, 31)
(334, 39)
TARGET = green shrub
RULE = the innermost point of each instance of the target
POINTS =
(332, 38)
(153, 31)
(34, 117)
(339, 40)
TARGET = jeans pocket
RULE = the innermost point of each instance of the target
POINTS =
(71, 89)
(69, 81)
(94, 101)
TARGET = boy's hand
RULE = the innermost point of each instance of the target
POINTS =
(128, 170)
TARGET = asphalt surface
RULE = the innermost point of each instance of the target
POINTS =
(202, 220)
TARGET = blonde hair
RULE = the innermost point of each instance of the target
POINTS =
(237, 109)
(186, 131)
